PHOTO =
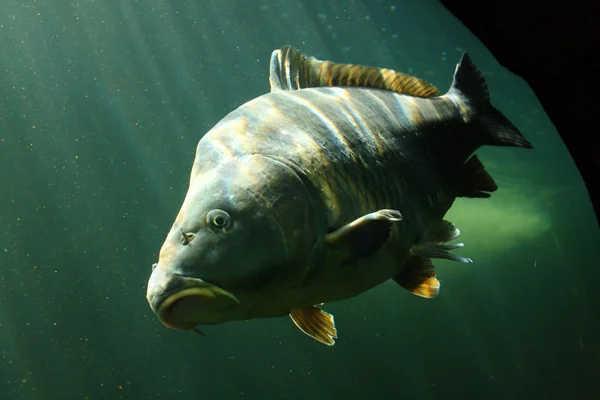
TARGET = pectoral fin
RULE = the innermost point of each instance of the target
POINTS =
(316, 323)
(365, 235)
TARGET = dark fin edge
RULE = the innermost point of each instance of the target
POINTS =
(418, 277)
(474, 181)
(290, 69)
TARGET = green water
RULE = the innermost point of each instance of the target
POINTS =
(101, 106)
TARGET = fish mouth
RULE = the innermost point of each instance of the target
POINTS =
(198, 302)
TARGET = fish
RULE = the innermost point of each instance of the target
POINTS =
(332, 183)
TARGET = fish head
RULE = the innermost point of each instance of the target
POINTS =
(246, 224)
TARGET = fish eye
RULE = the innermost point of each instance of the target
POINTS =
(219, 219)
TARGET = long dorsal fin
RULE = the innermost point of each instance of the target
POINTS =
(291, 69)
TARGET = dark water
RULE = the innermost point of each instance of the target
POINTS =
(101, 106)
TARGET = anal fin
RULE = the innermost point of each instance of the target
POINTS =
(418, 277)
(316, 323)
(435, 243)
(474, 180)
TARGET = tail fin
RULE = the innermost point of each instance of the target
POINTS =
(470, 85)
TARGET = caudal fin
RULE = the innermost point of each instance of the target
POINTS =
(470, 85)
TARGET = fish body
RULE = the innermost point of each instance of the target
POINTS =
(334, 182)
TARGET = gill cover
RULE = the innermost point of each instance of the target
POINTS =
(283, 191)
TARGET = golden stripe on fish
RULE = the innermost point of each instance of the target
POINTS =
(350, 114)
(342, 98)
(359, 192)
(307, 148)
(221, 147)
(365, 193)
(462, 105)
(365, 132)
(384, 106)
(411, 110)
(224, 144)
(418, 112)
(336, 94)
(297, 138)
(348, 110)
(272, 111)
(327, 122)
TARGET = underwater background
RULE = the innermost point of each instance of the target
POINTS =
(101, 106)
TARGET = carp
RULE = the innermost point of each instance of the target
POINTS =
(334, 182)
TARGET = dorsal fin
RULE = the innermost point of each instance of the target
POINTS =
(292, 70)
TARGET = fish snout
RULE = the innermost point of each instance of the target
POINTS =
(181, 302)
(159, 285)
